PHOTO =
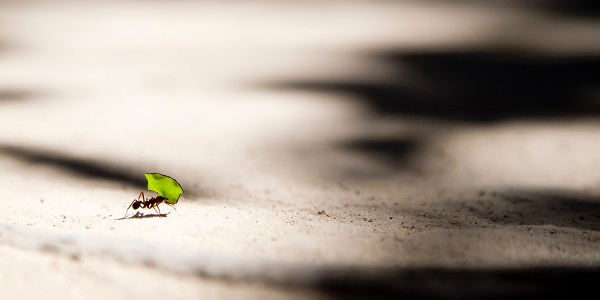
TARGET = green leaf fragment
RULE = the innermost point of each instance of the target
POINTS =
(165, 186)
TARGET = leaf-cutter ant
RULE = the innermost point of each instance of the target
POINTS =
(148, 203)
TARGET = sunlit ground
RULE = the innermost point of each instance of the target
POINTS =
(322, 146)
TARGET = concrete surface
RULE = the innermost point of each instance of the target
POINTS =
(326, 149)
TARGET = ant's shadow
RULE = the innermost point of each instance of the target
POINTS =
(140, 215)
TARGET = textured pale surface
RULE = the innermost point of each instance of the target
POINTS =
(101, 81)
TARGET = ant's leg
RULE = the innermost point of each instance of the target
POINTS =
(129, 207)
(132, 202)
(144, 201)
(171, 205)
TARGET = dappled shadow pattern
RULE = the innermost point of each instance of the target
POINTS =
(77, 166)
(556, 208)
(442, 283)
(475, 85)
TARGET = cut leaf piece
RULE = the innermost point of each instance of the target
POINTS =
(165, 186)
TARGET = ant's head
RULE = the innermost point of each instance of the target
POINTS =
(136, 204)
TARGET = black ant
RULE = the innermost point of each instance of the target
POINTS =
(148, 203)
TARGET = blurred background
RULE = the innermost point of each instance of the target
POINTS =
(357, 89)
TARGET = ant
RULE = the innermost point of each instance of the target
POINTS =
(148, 203)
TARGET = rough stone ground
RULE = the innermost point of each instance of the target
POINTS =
(326, 149)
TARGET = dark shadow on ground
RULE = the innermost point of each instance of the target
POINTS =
(14, 95)
(77, 166)
(465, 87)
(583, 9)
(445, 283)
(578, 8)
(3, 44)
(558, 208)
(91, 168)
(561, 208)
(395, 152)
(474, 86)
(140, 215)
